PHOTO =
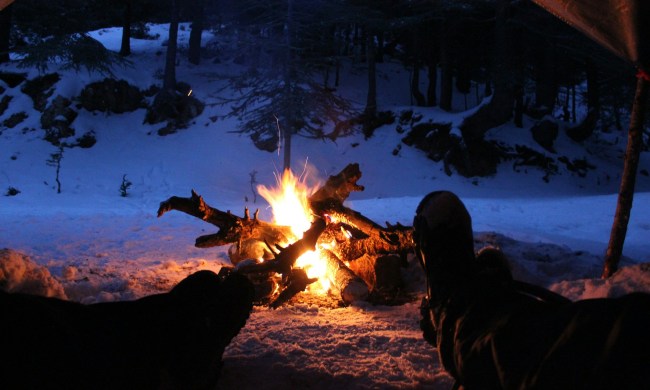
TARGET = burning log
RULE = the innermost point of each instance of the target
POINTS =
(286, 257)
(231, 227)
(297, 282)
(294, 280)
(351, 287)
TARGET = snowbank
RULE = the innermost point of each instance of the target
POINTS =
(19, 274)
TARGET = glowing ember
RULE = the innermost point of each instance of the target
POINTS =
(290, 205)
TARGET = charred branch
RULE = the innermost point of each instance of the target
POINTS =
(285, 258)
(294, 280)
(297, 282)
(352, 243)
(399, 242)
(337, 188)
(231, 227)
(374, 239)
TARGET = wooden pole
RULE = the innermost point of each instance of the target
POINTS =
(628, 180)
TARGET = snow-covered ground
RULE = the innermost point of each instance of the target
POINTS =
(98, 246)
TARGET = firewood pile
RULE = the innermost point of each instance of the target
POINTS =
(363, 259)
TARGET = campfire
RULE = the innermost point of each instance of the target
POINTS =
(314, 242)
(289, 202)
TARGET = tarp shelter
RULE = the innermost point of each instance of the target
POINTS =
(623, 27)
(5, 3)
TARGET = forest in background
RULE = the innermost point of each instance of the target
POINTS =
(529, 62)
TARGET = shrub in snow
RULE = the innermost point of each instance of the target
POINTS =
(11, 191)
(140, 30)
(177, 106)
(55, 161)
(13, 79)
(111, 95)
(545, 133)
(4, 103)
(56, 120)
(14, 120)
(18, 273)
(124, 187)
(40, 89)
(88, 140)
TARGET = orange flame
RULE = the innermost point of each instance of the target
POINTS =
(290, 206)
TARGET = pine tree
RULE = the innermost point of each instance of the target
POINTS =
(278, 96)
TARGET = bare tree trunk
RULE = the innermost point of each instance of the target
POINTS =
(499, 110)
(337, 78)
(287, 130)
(194, 51)
(519, 106)
(432, 72)
(371, 101)
(357, 45)
(573, 103)
(5, 32)
(431, 49)
(125, 48)
(446, 73)
(628, 180)
(593, 87)
(519, 64)
(415, 85)
(379, 48)
(363, 47)
(169, 80)
(287, 148)
(546, 87)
